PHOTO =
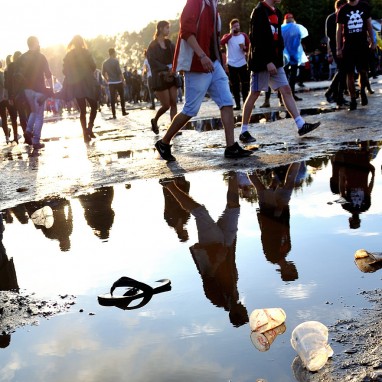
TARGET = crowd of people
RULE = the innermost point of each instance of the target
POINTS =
(269, 58)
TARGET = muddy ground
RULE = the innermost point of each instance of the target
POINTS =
(123, 151)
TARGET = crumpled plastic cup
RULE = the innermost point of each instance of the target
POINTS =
(262, 320)
(310, 340)
(43, 216)
(263, 341)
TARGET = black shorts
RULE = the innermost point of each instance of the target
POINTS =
(356, 58)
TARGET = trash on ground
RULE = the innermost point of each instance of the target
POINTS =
(262, 320)
(263, 341)
(310, 340)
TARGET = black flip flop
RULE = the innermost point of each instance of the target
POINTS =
(136, 290)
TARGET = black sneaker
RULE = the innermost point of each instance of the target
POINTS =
(364, 100)
(165, 151)
(246, 137)
(353, 104)
(154, 126)
(28, 138)
(307, 128)
(297, 98)
(38, 146)
(235, 151)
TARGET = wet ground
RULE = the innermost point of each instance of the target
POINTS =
(110, 217)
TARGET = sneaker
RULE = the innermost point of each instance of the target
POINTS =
(165, 151)
(154, 126)
(235, 151)
(343, 102)
(370, 90)
(38, 146)
(125, 113)
(353, 104)
(28, 138)
(266, 104)
(237, 108)
(297, 98)
(364, 100)
(246, 137)
(307, 128)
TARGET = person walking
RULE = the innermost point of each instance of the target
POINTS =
(237, 47)
(147, 70)
(353, 29)
(112, 73)
(33, 72)
(266, 65)
(294, 53)
(160, 54)
(335, 92)
(80, 82)
(197, 54)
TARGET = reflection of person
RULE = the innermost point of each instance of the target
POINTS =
(160, 54)
(174, 214)
(98, 212)
(8, 278)
(274, 215)
(80, 82)
(62, 226)
(350, 179)
(197, 54)
(214, 254)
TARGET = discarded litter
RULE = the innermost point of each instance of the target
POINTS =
(262, 320)
(310, 340)
(368, 262)
(263, 341)
(43, 216)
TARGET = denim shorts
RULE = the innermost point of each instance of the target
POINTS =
(262, 80)
(197, 85)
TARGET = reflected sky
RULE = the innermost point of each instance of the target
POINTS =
(292, 249)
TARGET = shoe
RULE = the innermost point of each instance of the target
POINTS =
(266, 104)
(364, 100)
(125, 113)
(297, 98)
(237, 108)
(329, 97)
(136, 290)
(343, 102)
(307, 128)
(152, 108)
(370, 91)
(165, 151)
(28, 138)
(235, 151)
(246, 137)
(38, 146)
(154, 126)
(301, 84)
(353, 104)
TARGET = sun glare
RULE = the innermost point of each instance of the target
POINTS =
(58, 24)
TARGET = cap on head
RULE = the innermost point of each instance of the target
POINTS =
(288, 16)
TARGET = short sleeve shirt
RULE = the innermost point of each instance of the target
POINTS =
(354, 19)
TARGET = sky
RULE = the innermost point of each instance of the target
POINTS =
(56, 22)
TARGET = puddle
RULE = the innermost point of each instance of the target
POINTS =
(208, 124)
(229, 243)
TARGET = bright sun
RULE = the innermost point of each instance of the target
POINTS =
(58, 24)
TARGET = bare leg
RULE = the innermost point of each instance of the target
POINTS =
(177, 123)
(289, 102)
(248, 106)
(228, 120)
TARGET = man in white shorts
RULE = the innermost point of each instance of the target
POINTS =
(266, 64)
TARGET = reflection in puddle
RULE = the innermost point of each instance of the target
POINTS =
(219, 238)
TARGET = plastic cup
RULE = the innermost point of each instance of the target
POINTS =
(262, 320)
(263, 341)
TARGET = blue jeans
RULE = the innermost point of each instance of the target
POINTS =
(36, 117)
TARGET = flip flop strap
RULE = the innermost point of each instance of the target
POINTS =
(129, 282)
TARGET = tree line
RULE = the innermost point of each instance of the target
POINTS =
(130, 46)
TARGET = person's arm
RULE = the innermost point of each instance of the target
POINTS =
(204, 59)
(373, 44)
(225, 39)
(339, 34)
